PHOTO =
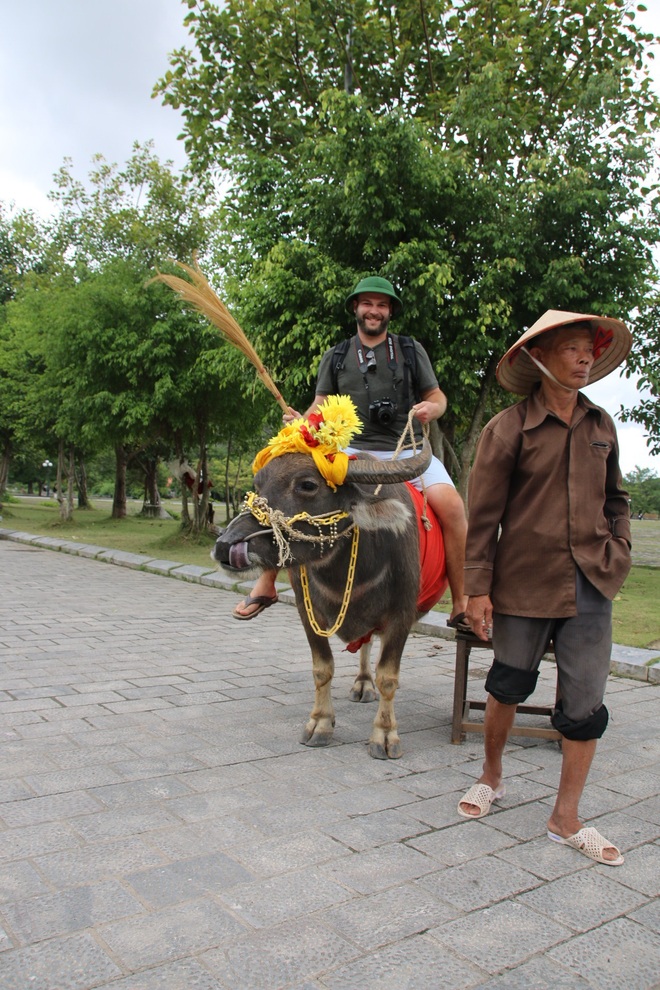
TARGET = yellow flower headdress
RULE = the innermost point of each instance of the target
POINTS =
(323, 434)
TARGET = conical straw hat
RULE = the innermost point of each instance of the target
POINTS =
(612, 341)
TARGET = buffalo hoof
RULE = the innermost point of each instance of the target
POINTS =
(362, 691)
(388, 750)
(318, 733)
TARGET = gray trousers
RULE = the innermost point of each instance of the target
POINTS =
(582, 643)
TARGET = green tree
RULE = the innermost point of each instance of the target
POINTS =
(645, 361)
(494, 162)
(643, 486)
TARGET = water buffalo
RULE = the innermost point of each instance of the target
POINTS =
(354, 567)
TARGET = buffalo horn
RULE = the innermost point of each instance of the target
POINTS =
(373, 472)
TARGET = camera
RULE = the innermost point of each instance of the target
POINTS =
(383, 412)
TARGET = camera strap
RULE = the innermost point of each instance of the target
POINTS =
(361, 354)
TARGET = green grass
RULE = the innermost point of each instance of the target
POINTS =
(636, 607)
(636, 613)
(135, 534)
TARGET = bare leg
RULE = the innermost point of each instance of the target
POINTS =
(577, 756)
(265, 585)
(450, 510)
(497, 726)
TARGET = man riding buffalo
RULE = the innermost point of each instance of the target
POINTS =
(386, 375)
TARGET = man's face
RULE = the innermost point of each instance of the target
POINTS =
(570, 357)
(373, 311)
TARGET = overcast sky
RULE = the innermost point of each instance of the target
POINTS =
(76, 78)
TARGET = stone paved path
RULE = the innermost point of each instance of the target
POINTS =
(161, 828)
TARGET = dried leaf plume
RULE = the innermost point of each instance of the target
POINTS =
(201, 296)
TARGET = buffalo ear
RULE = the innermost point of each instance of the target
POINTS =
(371, 513)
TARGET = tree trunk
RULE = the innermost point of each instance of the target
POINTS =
(237, 499)
(59, 484)
(476, 424)
(66, 505)
(81, 483)
(152, 506)
(119, 500)
(200, 493)
(185, 513)
(5, 460)
(227, 495)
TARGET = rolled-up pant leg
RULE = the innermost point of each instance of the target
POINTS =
(583, 646)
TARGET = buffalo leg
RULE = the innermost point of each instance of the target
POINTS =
(319, 729)
(384, 743)
(363, 688)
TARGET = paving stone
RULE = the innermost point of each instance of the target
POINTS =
(172, 933)
(648, 915)
(502, 935)
(479, 883)
(75, 963)
(584, 900)
(265, 903)
(537, 974)
(29, 841)
(96, 862)
(412, 964)
(378, 920)
(460, 843)
(380, 828)
(275, 958)
(67, 911)
(20, 880)
(616, 956)
(642, 869)
(379, 868)
(172, 883)
(184, 974)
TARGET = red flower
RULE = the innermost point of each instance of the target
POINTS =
(307, 437)
(315, 420)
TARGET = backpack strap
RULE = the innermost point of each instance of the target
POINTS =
(339, 353)
(407, 345)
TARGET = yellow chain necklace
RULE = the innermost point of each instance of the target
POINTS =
(350, 577)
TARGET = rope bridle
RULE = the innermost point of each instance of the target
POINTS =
(274, 521)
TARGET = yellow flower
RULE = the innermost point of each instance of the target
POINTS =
(340, 422)
(323, 435)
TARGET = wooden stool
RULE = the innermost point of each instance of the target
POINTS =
(461, 722)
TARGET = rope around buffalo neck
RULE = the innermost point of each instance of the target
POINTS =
(279, 524)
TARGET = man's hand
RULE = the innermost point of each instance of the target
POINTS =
(290, 416)
(479, 613)
(425, 412)
(432, 405)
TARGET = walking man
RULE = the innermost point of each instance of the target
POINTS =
(548, 548)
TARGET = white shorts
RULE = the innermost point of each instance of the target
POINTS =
(435, 474)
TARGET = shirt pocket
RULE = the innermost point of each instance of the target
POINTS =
(600, 448)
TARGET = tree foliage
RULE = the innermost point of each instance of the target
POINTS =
(643, 486)
(645, 361)
(493, 159)
(97, 357)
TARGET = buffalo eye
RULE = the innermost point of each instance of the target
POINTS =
(308, 486)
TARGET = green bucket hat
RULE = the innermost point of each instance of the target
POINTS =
(374, 283)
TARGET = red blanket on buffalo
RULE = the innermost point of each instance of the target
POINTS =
(433, 575)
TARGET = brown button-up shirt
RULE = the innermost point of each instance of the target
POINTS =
(544, 496)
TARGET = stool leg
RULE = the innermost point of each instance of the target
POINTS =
(460, 688)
